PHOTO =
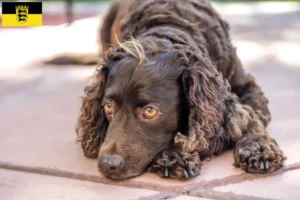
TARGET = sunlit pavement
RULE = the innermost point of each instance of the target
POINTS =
(40, 159)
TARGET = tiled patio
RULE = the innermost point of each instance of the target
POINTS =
(39, 156)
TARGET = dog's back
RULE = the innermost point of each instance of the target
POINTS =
(191, 22)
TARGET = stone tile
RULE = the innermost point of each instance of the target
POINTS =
(284, 186)
(26, 186)
(38, 118)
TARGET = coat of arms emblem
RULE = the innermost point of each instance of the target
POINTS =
(22, 13)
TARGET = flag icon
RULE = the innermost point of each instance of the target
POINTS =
(22, 14)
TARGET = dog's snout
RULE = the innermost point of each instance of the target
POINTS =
(111, 162)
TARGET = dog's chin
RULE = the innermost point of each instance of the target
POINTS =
(120, 175)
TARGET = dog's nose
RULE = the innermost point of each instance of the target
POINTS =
(111, 162)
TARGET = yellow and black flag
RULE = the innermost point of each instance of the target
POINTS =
(22, 14)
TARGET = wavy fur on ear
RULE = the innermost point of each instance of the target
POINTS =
(205, 87)
(216, 118)
(92, 123)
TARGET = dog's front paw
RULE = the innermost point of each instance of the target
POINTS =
(258, 156)
(176, 165)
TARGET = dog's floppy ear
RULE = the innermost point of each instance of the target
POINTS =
(92, 123)
(203, 86)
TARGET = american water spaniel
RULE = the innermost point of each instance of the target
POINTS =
(169, 92)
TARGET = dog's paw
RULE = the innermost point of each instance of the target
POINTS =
(258, 156)
(176, 165)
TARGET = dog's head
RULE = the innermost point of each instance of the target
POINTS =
(142, 95)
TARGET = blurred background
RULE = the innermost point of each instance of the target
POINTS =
(249, 19)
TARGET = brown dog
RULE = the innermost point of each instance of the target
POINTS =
(171, 93)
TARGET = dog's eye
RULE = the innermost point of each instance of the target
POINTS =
(150, 112)
(108, 108)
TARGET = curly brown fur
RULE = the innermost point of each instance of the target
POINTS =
(256, 151)
(92, 124)
(182, 63)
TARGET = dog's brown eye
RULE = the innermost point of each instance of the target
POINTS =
(150, 112)
(108, 108)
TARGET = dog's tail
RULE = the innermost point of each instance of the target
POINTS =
(74, 59)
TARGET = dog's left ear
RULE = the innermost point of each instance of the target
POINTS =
(203, 86)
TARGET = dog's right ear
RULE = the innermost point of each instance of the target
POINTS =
(203, 86)
(92, 123)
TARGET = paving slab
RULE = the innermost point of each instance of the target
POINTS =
(25, 186)
(284, 186)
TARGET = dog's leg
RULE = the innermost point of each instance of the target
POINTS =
(246, 88)
(176, 164)
(255, 151)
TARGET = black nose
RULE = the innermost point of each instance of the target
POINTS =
(111, 162)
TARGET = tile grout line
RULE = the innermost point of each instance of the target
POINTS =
(84, 177)
(160, 196)
(144, 185)
(238, 178)
(212, 194)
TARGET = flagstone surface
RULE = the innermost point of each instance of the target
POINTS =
(20, 186)
(282, 186)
